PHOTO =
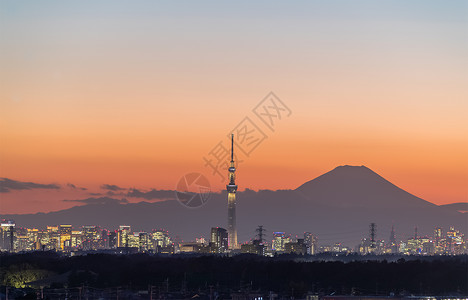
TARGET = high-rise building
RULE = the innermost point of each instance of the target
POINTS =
(279, 241)
(90, 232)
(219, 239)
(104, 239)
(122, 236)
(440, 241)
(161, 241)
(365, 247)
(201, 241)
(455, 243)
(143, 242)
(76, 238)
(413, 246)
(33, 238)
(372, 237)
(133, 240)
(402, 247)
(112, 239)
(437, 236)
(392, 236)
(311, 243)
(89, 237)
(256, 247)
(296, 247)
(392, 246)
(53, 238)
(65, 236)
(7, 238)
(22, 240)
(232, 189)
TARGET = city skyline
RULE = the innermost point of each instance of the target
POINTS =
(108, 100)
(124, 240)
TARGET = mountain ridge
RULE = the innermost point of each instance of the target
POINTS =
(344, 199)
(457, 206)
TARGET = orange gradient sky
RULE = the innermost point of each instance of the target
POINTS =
(136, 94)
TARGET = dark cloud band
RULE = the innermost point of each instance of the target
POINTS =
(7, 185)
(100, 200)
(152, 194)
(111, 187)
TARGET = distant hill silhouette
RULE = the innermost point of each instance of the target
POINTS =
(460, 206)
(337, 206)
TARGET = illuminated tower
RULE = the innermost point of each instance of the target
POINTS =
(232, 189)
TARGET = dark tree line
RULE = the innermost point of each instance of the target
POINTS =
(285, 275)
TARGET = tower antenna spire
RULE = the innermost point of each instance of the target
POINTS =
(232, 147)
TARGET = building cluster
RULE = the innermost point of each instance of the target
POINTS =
(281, 243)
(452, 242)
(86, 238)
(65, 238)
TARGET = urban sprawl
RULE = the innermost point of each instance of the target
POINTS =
(65, 238)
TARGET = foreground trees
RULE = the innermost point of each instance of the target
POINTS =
(288, 275)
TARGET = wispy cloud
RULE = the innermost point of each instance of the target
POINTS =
(152, 194)
(7, 185)
(111, 187)
(100, 200)
(112, 193)
(72, 186)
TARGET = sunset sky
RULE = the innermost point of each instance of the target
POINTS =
(136, 93)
